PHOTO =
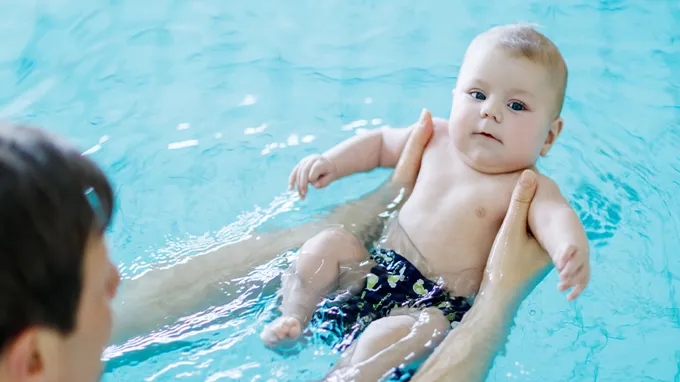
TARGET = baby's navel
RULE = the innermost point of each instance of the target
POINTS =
(480, 211)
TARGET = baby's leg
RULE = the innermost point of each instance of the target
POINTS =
(403, 337)
(312, 277)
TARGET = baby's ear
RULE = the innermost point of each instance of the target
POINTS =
(555, 130)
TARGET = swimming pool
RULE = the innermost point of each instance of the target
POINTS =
(198, 110)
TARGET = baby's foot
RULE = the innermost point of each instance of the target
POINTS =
(282, 329)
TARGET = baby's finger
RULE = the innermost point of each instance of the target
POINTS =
(582, 277)
(576, 292)
(316, 172)
(570, 270)
(293, 177)
(323, 181)
(300, 173)
(303, 175)
(564, 285)
(298, 176)
(563, 259)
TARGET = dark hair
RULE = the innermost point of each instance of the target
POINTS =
(46, 220)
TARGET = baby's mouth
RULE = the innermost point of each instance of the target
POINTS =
(490, 136)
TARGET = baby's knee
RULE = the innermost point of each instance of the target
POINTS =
(336, 235)
(388, 331)
(432, 320)
(380, 335)
(336, 243)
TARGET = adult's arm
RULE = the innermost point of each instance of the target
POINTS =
(163, 295)
(515, 265)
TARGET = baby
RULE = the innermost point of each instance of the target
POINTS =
(505, 114)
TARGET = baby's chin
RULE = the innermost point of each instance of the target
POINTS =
(487, 162)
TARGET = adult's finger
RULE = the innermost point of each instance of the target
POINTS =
(522, 195)
(408, 165)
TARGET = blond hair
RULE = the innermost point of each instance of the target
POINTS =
(522, 40)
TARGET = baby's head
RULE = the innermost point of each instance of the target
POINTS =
(508, 99)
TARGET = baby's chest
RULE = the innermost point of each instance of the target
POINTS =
(452, 190)
(461, 194)
(473, 202)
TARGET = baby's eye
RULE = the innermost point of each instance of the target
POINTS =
(478, 95)
(516, 106)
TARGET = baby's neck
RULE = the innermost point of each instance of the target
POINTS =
(492, 170)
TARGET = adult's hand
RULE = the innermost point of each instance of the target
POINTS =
(408, 166)
(515, 264)
(516, 257)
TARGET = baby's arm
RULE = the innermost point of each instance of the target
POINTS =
(365, 152)
(558, 229)
(368, 151)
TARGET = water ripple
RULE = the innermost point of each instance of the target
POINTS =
(301, 78)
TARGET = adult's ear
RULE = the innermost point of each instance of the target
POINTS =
(33, 356)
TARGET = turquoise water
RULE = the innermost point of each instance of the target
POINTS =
(198, 110)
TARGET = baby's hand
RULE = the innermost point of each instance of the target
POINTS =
(314, 169)
(573, 264)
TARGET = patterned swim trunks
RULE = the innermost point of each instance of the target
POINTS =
(392, 283)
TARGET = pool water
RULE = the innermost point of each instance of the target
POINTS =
(198, 110)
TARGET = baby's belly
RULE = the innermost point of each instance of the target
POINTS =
(455, 263)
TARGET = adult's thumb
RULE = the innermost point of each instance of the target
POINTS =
(522, 195)
(408, 165)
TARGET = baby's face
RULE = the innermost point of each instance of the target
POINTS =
(503, 110)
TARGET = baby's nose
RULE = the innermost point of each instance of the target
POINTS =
(489, 110)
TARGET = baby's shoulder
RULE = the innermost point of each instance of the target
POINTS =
(541, 178)
(546, 187)
(441, 125)
(439, 137)
(441, 131)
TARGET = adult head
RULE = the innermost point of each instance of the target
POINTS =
(56, 279)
